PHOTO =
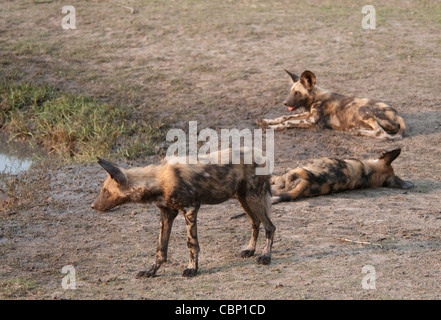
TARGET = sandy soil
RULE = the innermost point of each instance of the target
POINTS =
(222, 64)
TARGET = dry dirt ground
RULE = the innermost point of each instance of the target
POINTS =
(221, 63)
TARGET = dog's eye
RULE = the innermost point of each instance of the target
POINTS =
(297, 94)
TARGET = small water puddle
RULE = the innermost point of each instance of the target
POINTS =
(12, 165)
(15, 157)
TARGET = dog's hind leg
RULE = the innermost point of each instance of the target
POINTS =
(296, 193)
(192, 241)
(255, 223)
(260, 206)
(377, 131)
(382, 124)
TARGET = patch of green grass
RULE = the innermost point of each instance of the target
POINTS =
(428, 12)
(17, 287)
(30, 47)
(75, 128)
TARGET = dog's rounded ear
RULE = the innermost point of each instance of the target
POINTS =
(293, 76)
(307, 79)
(115, 172)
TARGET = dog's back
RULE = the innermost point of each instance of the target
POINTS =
(214, 178)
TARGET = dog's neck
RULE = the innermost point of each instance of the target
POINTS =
(377, 172)
(146, 183)
(320, 94)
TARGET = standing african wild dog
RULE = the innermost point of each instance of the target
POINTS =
(184, 187)
(324, 176)
(325, 109)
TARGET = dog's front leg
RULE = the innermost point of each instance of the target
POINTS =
(298, 123)
(167, 218)
(266, 122)
(192, 241)
(306, 120)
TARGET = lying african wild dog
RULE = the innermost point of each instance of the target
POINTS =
(328, 175)
(325, 109)
(184, 187)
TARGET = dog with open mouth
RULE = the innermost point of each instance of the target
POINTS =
(326, 109)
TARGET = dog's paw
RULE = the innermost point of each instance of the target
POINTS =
(246, 253)
(190, 272)
(262, 123)
(265, 260)
(145, 274)
(277, 127)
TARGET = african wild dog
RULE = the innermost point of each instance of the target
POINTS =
(184, 187)
(328, 175)
(325, 109)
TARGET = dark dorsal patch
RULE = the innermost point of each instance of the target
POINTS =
(293, 177)
(333, 173)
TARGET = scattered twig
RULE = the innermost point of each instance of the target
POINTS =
(132, 10)
(238, 216)
(360, 242)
